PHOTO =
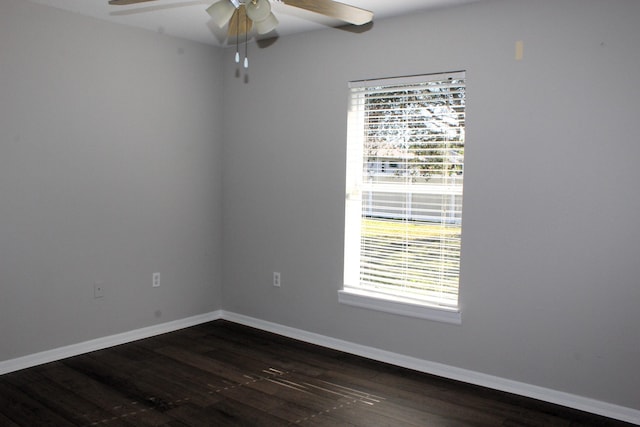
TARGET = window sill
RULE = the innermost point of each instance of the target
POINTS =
(371, 301)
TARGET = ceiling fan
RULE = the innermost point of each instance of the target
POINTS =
(244, 15)
(258, 12)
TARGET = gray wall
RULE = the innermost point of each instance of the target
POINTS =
(550, 271)
(109, 171)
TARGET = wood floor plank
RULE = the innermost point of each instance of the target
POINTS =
(249, 356)
(66, 403)
(142, 399)
(109, 400)
(224, 374)
(24, 410)
(229, 412)
(416, 398)
(332, 396)
(221, 374)
(194, 341)
(6, 422)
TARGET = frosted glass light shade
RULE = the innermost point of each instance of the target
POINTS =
(221, 12)
(258, 10)
(266, 25)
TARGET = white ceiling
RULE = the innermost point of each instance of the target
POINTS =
(188, 18)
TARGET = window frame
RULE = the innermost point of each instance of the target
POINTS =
(355, 294)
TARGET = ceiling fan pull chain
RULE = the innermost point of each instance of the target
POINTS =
(238, 39)
(246, 57)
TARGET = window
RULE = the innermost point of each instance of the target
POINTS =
(405, 167)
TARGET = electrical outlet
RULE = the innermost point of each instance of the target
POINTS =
(156, 280)
(98, 289)
(276, 279)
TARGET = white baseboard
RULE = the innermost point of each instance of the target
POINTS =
(548, 395)
(104, 342)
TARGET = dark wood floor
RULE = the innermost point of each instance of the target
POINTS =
(224, 374)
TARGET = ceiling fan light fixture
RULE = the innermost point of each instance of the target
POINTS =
(221, 12)
(258, 10)
(266, 25)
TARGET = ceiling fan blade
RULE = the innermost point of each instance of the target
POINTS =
(239, 23)
(334, 9)
(126, 2)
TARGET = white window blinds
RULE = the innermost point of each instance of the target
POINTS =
(404, 188)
